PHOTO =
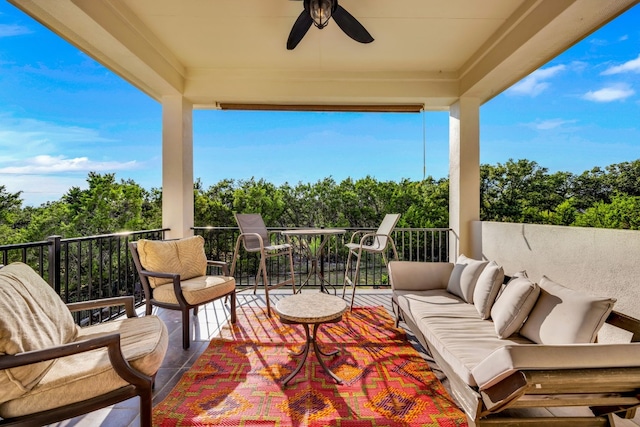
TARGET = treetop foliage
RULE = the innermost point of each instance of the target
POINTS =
(517, 191)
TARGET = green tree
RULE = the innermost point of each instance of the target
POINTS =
(513, 192)
(624, 178)
(215, 206)
(621, 213)
(423, 204)
(591, 187)
(52, 218)
(260, 197)
(10, 215)
(106, 206)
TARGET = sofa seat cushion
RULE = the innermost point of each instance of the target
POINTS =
(185, 257)
(196, 290)
(509, 359)
(454, 329)
(85, 375)
(32, 317)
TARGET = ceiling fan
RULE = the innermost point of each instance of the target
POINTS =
(318, 13)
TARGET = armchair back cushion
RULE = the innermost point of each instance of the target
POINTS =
(185, 257)
(32, 317)
(464, 276)
(565, 316)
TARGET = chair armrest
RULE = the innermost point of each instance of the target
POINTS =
(419, 276)
(175, 278)
(111, 341)
(159, 274)
(243, 235)
(127, 301)
(219, 264)
(372, 235)
(355, 234)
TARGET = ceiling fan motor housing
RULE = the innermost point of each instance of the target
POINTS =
(321, 11)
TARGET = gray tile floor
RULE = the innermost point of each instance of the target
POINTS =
(209, 321)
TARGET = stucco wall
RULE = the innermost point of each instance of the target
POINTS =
(599, 261)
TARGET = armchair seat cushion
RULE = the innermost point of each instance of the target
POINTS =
(196, 290)
(75, 378)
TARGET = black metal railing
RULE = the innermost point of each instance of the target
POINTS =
(95, 267)
(413, 244)
(84, 268)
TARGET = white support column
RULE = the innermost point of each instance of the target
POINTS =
(464, 177)
(177, 166)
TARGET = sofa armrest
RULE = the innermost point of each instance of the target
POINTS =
(419, 276)
(539, 357)
(111, 342)
(127, 301)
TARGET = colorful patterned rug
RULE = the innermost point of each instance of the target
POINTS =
(237, 380)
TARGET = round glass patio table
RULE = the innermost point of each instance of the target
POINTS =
(315, 256)
(311, 309)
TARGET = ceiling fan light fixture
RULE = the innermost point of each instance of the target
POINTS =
(320, 12)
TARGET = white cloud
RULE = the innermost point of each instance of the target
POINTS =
(632, 66)
(48, 174)
(37, 189)
(23, 135)
(8, 30)
(611, 93)
(550, 124)
(45, 164)
(535, 83)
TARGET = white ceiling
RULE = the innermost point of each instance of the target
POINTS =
(428, 52)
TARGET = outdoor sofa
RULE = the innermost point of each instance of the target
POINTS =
(508, 343)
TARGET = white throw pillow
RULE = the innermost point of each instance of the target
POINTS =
(565, 316)
(516, 275)
(487, 287)
(464, 276)
(514, 305)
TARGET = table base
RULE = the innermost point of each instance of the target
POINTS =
(311, 341)
(324, 283)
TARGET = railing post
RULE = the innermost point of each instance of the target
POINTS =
(54, 262)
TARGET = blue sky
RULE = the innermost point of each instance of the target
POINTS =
(63, 115)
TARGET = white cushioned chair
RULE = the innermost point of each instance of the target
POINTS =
(173, 274)
(51, 369)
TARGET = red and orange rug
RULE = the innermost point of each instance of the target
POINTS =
(237, 380)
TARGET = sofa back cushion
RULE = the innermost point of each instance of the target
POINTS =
(464, 276)
(513, 306)
(185, 257)
(487, 287)
(565, 316)
(32, 317)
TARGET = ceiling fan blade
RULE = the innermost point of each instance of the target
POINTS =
(351, 26)
(300, 28)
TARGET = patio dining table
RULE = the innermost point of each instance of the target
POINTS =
(315, 256)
